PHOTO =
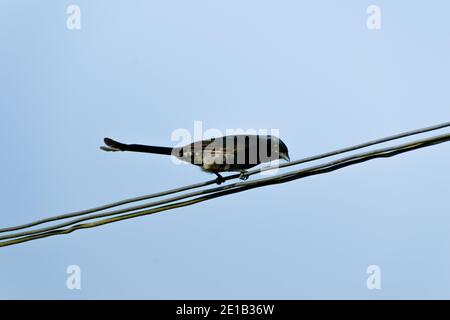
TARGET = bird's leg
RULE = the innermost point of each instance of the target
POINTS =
(243, 175)
(219, 179)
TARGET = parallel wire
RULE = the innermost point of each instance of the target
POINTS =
(356, 147)
(237, 187)
(210, 182)
(108, 206)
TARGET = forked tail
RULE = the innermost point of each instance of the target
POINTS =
(112, 145)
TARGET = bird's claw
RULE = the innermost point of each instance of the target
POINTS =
(220, 180)
(243, 175)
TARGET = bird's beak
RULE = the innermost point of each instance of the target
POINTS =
(285, 156)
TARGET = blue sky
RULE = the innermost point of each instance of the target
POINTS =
(138, 70)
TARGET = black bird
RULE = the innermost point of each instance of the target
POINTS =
(223, 154)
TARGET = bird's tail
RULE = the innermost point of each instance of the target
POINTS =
(112, 145)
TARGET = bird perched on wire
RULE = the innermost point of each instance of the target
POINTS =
(216, 155)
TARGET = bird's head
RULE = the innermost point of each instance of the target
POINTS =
(283, 152)
(280, 148)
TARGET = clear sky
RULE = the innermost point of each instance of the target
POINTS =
(138, 70)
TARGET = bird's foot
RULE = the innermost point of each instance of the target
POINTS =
(243, 175)
(219, 179)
